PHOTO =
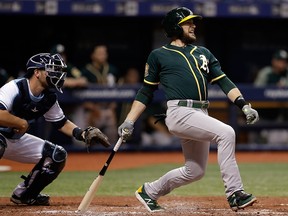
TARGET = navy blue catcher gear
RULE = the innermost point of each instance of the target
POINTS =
(174, 18)
(45, 171)
(53, 64)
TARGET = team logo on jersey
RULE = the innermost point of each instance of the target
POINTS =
(146, 70)
(204, 65)
(34, 110)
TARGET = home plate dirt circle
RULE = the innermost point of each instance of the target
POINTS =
(129, 205)
(174, 205)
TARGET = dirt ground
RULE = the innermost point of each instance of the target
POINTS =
(174, 205)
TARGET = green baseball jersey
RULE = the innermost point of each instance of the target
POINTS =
(184, 72)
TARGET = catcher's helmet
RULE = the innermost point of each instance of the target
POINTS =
(53, 64)
(175, 17)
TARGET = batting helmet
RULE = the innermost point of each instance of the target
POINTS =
(175, 17)
(54, 65)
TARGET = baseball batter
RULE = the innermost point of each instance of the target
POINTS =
(24, 100)
(184, 71)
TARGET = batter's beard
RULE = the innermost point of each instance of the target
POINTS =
(187, 39)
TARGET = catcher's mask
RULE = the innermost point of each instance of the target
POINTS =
(54, 65)
(174, 18)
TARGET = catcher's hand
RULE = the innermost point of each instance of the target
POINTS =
(251, 114)
(93, 135)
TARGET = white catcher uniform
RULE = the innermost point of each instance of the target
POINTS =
(27, 148)
(20, 108)
(45, 71)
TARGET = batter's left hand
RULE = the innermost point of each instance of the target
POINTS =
(251, 114)
(126, 129)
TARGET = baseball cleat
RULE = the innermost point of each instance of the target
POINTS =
(40, 200)
(150, 204)
(240, 200)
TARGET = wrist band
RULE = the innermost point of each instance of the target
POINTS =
(77, 132)
(240, 102)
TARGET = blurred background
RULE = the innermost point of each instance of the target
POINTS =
(244, 35)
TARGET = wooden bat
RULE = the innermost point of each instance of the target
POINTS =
(87, 199)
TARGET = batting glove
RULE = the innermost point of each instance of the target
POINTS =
(251, 114)
(125, 130)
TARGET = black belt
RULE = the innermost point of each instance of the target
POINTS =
(194, 104)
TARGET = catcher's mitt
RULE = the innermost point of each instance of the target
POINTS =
(93, 135)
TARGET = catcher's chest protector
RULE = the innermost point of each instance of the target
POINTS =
(25, 107)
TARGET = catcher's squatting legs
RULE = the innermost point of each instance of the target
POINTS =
(204, 129)
(44, 172)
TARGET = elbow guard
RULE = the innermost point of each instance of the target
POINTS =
(145, 93)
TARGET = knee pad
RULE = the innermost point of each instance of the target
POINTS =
(57, 153)
(45, 171)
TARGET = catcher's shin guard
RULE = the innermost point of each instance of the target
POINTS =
(45, 171)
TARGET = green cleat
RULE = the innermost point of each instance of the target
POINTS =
(240, 200)
(150, 204)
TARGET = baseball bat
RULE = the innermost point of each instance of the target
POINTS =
(87, 199)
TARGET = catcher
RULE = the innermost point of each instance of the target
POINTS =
(24, 100)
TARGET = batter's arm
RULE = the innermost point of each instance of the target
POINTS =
(136, 110)
(231, 90)
(236, 97)
(143, 97)
(233, 94)
(125, 130)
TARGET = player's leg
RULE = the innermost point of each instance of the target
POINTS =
(27, 149)
(199, 126)
(196, 156)
(51, 161)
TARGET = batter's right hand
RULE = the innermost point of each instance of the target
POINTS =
(125, 130)
(251, 114)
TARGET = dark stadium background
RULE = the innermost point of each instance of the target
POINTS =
(242, 45)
